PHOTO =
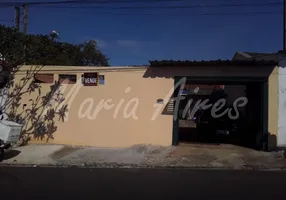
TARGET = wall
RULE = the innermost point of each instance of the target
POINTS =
(273, 138)
(282, 102)
(121, 84)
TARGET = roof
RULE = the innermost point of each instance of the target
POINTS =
(256, 56)
(239, 58)
(213, 62)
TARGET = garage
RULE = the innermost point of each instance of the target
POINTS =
(253, 80)
(241, 117)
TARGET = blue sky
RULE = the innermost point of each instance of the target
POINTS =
(134, 36)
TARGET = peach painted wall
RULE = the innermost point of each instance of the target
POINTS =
(105, 130)
(273, 109)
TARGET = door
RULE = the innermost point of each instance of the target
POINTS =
(253, 129)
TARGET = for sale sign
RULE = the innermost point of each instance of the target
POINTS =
(90, 79)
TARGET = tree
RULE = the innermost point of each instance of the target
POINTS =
(48, 50)
(17, 48)
(91, 55)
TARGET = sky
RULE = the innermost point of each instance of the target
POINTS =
(136, 35)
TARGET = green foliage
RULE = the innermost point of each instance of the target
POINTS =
(91, 56)
(18, 48)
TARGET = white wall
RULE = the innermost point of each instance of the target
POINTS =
(281, 137)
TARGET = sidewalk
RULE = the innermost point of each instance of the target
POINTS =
(185, 155)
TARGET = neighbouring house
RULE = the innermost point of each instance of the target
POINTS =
(124, 106)
(255, 56)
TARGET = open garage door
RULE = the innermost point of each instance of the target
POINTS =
(250, 129)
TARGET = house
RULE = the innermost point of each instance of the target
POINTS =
(136, 105)
(256, 56)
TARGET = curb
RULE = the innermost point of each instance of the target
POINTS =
(130, 166)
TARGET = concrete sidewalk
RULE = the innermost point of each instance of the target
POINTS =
(185, 155)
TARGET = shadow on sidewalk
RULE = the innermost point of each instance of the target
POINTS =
(10, 154)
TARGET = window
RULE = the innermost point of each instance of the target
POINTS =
(101, 79)
(44, 78)
(67, 78)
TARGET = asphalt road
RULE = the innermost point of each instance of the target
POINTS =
(83, 183)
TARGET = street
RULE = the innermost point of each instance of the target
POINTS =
(32, 183)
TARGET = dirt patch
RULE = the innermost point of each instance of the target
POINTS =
(201, 159)
(198, 149)
(63, 152)
(148, 149)
(226, 155)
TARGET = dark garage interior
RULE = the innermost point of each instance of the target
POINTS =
(197, 125)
